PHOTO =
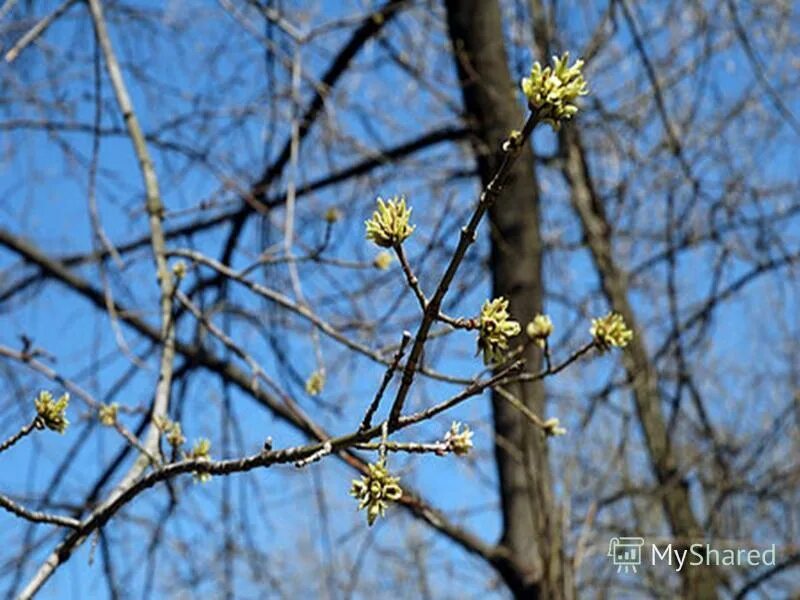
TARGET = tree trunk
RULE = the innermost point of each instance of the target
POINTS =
(697, 582)
(531, 523)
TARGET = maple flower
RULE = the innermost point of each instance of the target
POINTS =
(551, 91)
(495, 329)
(459, 441)
(52, 413)
(375, 490)
(609, 331)
(539, 329)
(389, 224)
(315, 383)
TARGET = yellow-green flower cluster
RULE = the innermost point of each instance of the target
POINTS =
(552, 90)
(382, 261)
(172, 431)
(332, 215)
(179, 269)
(609, 331)
(458, 441)
(315, 383)
(108, 414)
(494, 330)
(52, 413)
(539, 329)
(552, 427)
(389, 224)
(200, 451)
(175, 435)
(376, 490)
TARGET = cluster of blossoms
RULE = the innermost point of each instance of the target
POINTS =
(200, 451)
(175, 436)
(382, 261)
(458, 441)
(332, 215)
(179, 269)
(389, 224)
(552, 90)
(539, 329)
(552, 427)
(108, 414)
(172, 430)
(315, 383)
(52, 413)
(495, 328)
(375, 490)
(609, 331)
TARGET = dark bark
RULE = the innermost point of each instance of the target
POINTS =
(531, 523)
(673, 489)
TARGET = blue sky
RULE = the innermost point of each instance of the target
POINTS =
(44, 199)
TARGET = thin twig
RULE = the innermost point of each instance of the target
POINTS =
(36, 516)
(412, 280)
(37, 30)
(387, 377)
(155, 212)
(318, 455)
(25, 430)
(303, 311)
(258, 372)
(514, 401)
(6, 8)
(26, 357)
(133, 441)
(472, 390)
(551, 370)
(438, 448)
(511, 150)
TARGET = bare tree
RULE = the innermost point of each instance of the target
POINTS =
(571, 317)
